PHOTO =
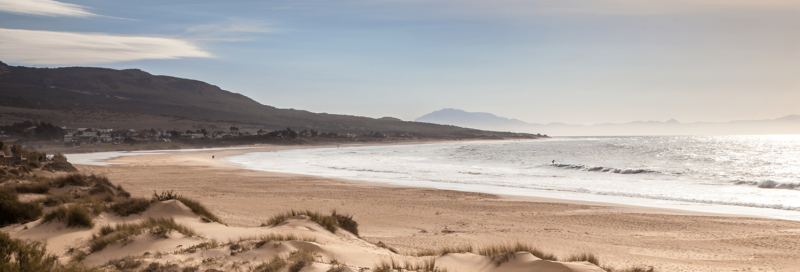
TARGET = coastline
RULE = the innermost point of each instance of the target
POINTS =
(667, 239)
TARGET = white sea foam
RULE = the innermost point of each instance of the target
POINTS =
(690, 173)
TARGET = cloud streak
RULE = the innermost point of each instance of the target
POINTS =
(44, 7)
(69, 48)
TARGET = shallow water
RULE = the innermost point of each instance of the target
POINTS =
(749, 175)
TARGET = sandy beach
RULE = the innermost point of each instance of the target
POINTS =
(413, 219)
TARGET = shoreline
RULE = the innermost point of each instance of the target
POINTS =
(412, 219)
(221, 153)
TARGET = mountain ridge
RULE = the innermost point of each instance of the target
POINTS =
(136, 91)
(482, 120)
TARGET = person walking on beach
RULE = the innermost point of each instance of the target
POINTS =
(212, 157)
(554, 162)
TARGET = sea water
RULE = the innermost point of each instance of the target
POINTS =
(747, 175)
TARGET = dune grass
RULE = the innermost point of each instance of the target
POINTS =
(130, 206)
(444, 251)
(33, 188)
(273, 265)
(32, 256)
(583, 257)
(121, 232)
(193, 205)
(55, 200)
(13, 211)
(75, 215)
(329, 222)
(504, 252)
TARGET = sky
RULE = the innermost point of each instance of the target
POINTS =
(540, 61)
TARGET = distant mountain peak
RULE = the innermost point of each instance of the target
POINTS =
(462, 118)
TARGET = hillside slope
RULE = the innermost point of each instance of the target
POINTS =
(136, 91)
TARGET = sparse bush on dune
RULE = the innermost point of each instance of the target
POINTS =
(76, 215)
(329, 222)
(346, 222)
(13, 211)
(18, 255)
(160, 227)
(273, 265)
(31, 256)
(444, 251)
(130, 206)
(195, 206)
(33, 188)
(584, 257)
(55, 200)
(301, 258)
(504, 252)
(71, 180)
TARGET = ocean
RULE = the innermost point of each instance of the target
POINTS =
(746, 175)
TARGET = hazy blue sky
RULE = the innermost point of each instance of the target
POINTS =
(573, 61)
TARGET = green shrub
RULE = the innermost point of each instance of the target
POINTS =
(33, 188)
(130, 206)
(55, 200)
(18, 255)
(164, 196)
(12, 211)
(273, 265)
(100, 189)
(72, 180)
(75, 215)
(346, 222)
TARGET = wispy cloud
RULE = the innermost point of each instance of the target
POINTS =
(232, 30)
(608, 7)
(44, 7)
(70, 48)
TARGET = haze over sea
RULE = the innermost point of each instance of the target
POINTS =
(748, 175)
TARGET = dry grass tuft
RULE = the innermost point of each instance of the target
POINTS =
(122, 232)
(504, 252)
(273, 265)
(584, 257)
(33, 188)
(130, 206)
(445, 250)
(195, 206)
(331, 223)
(75, 215)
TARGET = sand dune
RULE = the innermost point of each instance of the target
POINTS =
(239, 248)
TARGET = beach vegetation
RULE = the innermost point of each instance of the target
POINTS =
(75, 215)
(273, 265)
(329, 222)
(13, 211)
(196, 207)
(130, 206)
(55, 200)
(445, 250)
(504, 252)
(126, 231)
(583, 257)
(31, 256)
(33, 188)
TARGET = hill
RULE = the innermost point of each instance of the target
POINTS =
(478, 120)
(136, 91)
